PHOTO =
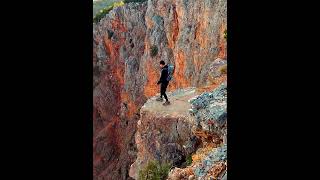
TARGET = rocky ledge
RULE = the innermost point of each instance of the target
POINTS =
(209, 117)
(194, 125)
(164, 132)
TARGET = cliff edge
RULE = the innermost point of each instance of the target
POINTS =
(194, 125)
(164, 132)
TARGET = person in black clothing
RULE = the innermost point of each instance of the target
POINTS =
(164, 83)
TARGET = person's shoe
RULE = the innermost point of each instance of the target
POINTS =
(159, 99)
(166, 103)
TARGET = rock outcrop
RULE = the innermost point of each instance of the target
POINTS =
(188, 34)
(209, 119)
(194, 124)
(164, 132)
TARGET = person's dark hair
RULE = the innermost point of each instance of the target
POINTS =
(162, 62)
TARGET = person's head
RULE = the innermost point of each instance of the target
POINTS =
(162, 63)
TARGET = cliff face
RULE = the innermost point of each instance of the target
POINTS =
(195, 125)
(209, 112)
(118, 47)
(188, 34)
(164, 133)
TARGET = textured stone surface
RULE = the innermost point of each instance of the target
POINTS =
(164, 132)
(188, 34)
(208, 163)
(224, 177)
(210, 113)
(118, 47)
(214, 67)
(219, 154)
(210, 108)
(209, 118)
(181, 174)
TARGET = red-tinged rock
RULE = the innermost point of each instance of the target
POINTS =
(188, 34)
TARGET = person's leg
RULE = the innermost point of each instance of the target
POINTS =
(161, 93)
(165, 96)
(164, 88)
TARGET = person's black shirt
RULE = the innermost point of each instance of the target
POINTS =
(164, 75)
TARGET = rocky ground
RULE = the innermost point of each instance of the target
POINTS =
(164, 132)
(194, 124)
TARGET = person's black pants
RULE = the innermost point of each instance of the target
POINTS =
(163, 89)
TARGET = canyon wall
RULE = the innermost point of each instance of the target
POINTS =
(188, 34)
(118, 47)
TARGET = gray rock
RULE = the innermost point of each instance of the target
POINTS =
(210, 107)
(215, 65)
(224, 176)
(220, 154)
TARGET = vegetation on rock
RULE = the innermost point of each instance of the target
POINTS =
(189, 160)
(100, 4)
(103, 7)
(153, 50)
(127, 1)
(102, 13)
(154, 171)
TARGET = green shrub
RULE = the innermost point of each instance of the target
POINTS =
(127, 1)
(101, 8)
(189, 160)
(154, 171)
(100, 4)
(103, 12)
(153, 50)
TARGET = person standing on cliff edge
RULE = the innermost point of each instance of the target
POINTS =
(164, 83)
